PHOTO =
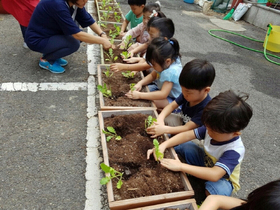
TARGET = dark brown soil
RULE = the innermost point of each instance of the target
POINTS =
(111, 17)
(116, 52)
(120, 86)
(142, 177)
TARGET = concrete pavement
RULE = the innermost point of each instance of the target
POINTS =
(49, 134)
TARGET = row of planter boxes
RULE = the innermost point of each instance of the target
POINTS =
(176, 200)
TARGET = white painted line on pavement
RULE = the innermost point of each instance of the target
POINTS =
(34, 87)
(93, 159)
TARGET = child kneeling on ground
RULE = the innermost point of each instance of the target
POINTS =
(219, 161)
(195, 80)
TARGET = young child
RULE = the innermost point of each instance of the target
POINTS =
(163, 55)
(219, 161)
(195, 79)
(140, 31)
(263, 198)
(134, 16)
(163, 27)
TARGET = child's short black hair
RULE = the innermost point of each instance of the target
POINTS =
(227, 112)
(164, 25)
(197, 74)
(137, 2)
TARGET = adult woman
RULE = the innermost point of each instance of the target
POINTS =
(53, 31)
(22, 11)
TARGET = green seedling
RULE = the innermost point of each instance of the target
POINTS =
(158, 154)
(125, 54)
(108, 72)
(149, 121)
(111, 133)
(128, 74)
(105, 16)
(126, 42)
(111, 57)
(117, 17)
(103, 89)
(112, 174)
(104, 25)
(114, 33)
(131, 86)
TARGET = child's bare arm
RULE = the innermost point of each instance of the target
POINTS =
(210, 174)
(138, 49)
(123, 28)
(214, 202)
(159, 129)
(155, 95)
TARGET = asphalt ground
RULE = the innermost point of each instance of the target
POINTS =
(45, 126)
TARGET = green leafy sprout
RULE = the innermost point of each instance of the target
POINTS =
(131, 86)
(128, 74)
(149, 121)
(126, 42)
(125, 54)
(158, 154)
(103, 89)
(114, 33)
(105, 16)
(111, 133)
(111, 57)
(108, 72)
(112, 174)
(117, 17)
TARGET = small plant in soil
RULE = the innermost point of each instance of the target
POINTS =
(127, 42)
(149, 121)
(128, 74)
(105, 16)
(111, 133)
(116, 32)
(117, 17)
(158, 154)
(111, 57)
(125, 54)
(113, 174)
(104, 25)
(103, 89)
(108, 72)
(131, 86)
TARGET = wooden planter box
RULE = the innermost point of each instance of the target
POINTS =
(100, 69)
(178, 205)
(139, 201)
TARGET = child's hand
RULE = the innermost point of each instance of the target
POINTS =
(131, 60)
(115, 67)
(122, 33)
(171, 164)
(133, 94)
(152, 151)
(132, 47)
(131, 53)
(156, 129)
(121, 45)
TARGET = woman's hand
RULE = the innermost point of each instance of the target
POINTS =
(106, 44)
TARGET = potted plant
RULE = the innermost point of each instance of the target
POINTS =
(134, 181)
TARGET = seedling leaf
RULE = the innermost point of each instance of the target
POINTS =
(111, 129)
(104, 180)
(105, 168)
(159, 155)
(119, 184)
(118, 138)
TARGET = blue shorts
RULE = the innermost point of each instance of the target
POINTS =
(153, 87)
(194, 155)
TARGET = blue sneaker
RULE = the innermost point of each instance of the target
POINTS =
(61, 62)
(54, 68)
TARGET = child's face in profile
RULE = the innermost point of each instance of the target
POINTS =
(154, 33)
(146, 18)
(137, 10)
(193, 95)
(221, 137)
